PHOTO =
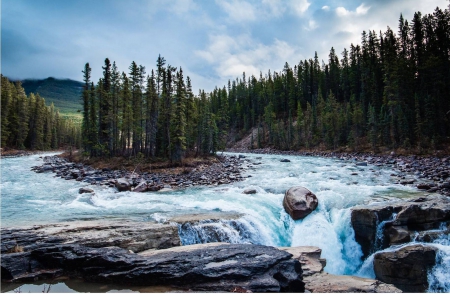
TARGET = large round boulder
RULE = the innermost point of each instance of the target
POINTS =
(299, 202)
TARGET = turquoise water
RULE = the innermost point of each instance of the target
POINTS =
(30, 198)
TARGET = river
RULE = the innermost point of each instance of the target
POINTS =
(33, 198)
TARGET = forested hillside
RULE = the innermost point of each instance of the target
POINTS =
(63, 93)
(27, 122)
(392, 91)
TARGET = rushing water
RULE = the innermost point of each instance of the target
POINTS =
(31, 198)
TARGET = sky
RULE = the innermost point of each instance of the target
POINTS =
(213, 41)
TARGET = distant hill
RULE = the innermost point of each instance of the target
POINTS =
(65, 94)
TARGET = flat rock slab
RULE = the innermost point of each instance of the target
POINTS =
(327, 283)
(134, 236)
(202, 267)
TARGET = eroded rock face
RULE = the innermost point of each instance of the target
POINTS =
(399, 222)
(406, 268)
(201, 267)
(134, 236)
(299, 202)
(318, 281)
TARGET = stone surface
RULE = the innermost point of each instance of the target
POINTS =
(400, 220)
(285, 160)
(318, 281)
(327, 283)
(406, 268)
(141, 187)
(249, 191)
(135, 236)
(201, 267)
(309, 258)
(85, 190)
(299, 202)
(123, 184)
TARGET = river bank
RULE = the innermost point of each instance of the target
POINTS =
(429, 174)
(213, 171)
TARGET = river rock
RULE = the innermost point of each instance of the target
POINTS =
(123, 184)
(141, 187)
(396, 222)
(299, 202)
(85, 190)
(201, 267)
(406, 268)
(249, 191)
(285, 160)
(318, 281)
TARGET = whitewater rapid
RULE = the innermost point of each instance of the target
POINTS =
(30, 198)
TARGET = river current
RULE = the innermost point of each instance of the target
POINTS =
(29, 198)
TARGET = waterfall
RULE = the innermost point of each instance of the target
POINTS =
(379, 236)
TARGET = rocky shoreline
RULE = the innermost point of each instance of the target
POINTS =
(429, 174)
(146, 254)
(226, 170)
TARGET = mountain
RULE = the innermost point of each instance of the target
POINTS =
(64, 93)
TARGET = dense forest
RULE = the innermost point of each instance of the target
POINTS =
(391, 91)
(150, 116)
(27, 122)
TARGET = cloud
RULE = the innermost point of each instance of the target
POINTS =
(300, 6)
(326, 8)
(239, 11)
(231, 56)
(360, 10)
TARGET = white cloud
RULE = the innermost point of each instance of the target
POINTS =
(300, 6)
(239, 11)
(230, 57)
(360, 10)
(326, 8)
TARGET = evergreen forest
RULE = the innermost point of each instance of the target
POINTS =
(28, 123)
(392, 91)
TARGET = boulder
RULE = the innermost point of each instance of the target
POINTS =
(141, 187)
(200, 267)
(299, 202)
(309, 258)
(285, 160)
(249, 191)
(123, 184)
(398, 235)
(318, 281)
(85, 190)
(397, 221)
(406, 268)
